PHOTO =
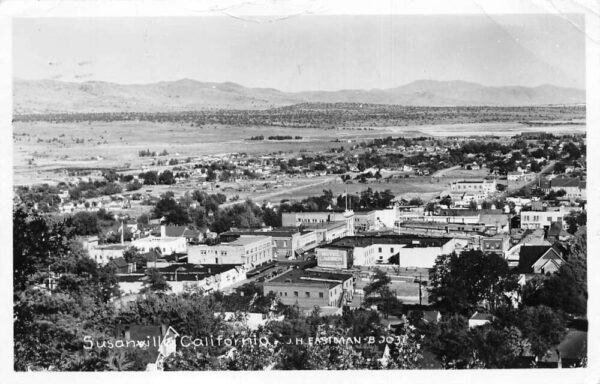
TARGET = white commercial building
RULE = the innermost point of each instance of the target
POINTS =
(250, 251)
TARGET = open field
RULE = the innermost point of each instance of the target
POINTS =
(42, 149)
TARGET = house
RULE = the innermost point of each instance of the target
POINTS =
(103, 254)
(539, 259)
(192, 236)
(574, 187)
(308, 288)
(122, 266)
(480, 318)
(557, 233)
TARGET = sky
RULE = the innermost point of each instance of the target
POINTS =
(305, 52)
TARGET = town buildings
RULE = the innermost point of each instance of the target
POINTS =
(296, 219)
(187, 277)
(412, 251)
(545, 218)
(485, 187)
(288, 242)
(308, 288)
(250, 251)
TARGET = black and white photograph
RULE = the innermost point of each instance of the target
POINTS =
(297, 188)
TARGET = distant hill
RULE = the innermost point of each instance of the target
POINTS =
(47, 96)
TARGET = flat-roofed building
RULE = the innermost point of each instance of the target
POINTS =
(375, 219)
(296, 219)
(250, 251)
(166, 245)
(329, 231)
(308, 289)
(288, 242)
(499, 244)
(412, 251)
(544, 219)
(486, 187)
(102, 254)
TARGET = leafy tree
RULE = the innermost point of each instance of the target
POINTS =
(378, 292)
(85, 223)
(459, 284)
(542, 327)
(575, 220)
(60, 295)
(168, 208)
(133, 255)
(155, 282)
(166, 177)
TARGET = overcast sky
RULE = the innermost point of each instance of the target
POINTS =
(306, 52)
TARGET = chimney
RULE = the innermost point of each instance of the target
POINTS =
(163, 231)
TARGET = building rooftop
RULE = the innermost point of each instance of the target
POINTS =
(300, 276)
(529, 254)
(329, 225)
(279, 232)
(409, 240)
(247, 240)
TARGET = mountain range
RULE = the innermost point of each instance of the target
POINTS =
(51, 96)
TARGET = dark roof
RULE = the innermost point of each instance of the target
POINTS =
(119, 262)
(152, 255)
(457, 212)
(411, 241)
(304, 277)
(204, 270)
(528, 255)
(280, 232)
(565, 182)
(129, 277)
(174, 230)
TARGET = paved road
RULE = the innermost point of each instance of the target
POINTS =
(442, 172)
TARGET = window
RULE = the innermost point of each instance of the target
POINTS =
(295, 293)
(285, 294)
(379, 249)
(307, 294)
(320, 295)
(392, 250)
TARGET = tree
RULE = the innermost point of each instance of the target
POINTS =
(498, 347)
(60, 295)
(133, 255)
(378, 292)
(85, 223)
(168, 208)
(575, 220)
(166, 177)
(460, 284)
(542, 327)
(155, 282)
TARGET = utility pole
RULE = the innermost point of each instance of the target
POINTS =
(420, 294)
